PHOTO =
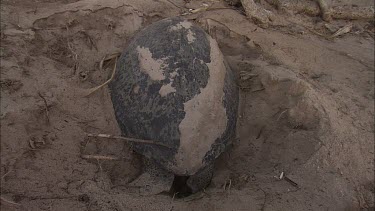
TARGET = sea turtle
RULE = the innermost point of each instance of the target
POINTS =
(172, 86)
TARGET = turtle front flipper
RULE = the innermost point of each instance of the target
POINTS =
(201, 179)
(153, 180)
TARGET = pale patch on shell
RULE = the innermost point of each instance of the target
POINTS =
(187, 25)
(184, 24)
(205, 119)
(136, 89)
(150, 66)
(173, 74)
(166, 89)
(190, 36)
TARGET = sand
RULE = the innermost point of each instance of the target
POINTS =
(306, 110)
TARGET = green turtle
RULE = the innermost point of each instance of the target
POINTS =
(173, 86)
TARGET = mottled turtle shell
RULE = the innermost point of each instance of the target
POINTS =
(173, 86)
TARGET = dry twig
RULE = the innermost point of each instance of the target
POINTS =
(245, 75)
(46, 105)
(92, 90)
(90, 41)
(194, 197)
(174, 196)
(343, 30)
(229, 185)
(291, 181)
(209, 8)
(260, 132)
(134, 140)
(100, 157)
(6, 174)
(106, 58)
(258, 90)
(265, 199)
(9, 201)
(281, 115)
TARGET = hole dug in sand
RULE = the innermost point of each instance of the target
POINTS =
(279, 127)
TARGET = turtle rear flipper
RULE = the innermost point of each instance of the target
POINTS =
(153, 180)
(201, 179)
